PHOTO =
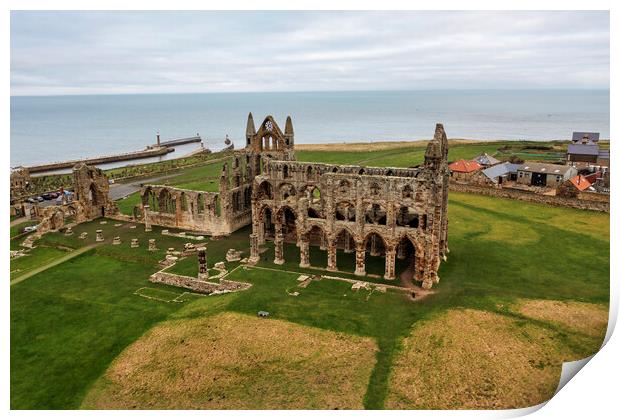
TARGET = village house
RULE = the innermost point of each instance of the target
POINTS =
(544, 174)
(585, 149)
(463, 170)
(487, 160)
(499, 174)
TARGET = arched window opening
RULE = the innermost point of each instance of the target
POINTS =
(201, 204)
(376, 214)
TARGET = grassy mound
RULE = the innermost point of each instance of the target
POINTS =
(234, 361)
(471, 359)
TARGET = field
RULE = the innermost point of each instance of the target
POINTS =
(525, 288)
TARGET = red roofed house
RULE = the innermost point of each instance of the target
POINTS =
(462, 170)
(580, 182)
(572, 187)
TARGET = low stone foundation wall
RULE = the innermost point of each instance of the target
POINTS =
(197, 285)
(532, 197)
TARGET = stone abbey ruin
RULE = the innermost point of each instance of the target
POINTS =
(389, 212)
(394, 213)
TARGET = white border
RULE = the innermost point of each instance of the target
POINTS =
(592, 395)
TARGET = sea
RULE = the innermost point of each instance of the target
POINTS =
(57, 128)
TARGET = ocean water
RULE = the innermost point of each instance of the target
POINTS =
(55, 128)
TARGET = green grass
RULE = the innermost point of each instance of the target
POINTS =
(69, 322)
(35, 258)
(414, 155)
(127, 204)
(18, 229)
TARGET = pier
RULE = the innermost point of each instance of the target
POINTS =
(177, 142)
(158, 149)
(141, 154)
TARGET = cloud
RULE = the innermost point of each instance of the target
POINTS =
(146, 52)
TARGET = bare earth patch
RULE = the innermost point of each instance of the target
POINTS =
(586, 318)
(234, 361)
(471, 359)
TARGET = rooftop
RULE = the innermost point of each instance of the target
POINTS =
(580, 182)
(486, 159)
(465, 166)
(579, 135)
(548, 168)
(583, 149)
(501, 169)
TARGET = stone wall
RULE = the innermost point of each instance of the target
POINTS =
(533, 197)
(196, 285)
(389, 212)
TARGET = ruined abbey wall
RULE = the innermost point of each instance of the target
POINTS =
(395, 213)
(383, 211)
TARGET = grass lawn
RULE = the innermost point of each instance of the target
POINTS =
(127, 204)
(19, 228)
(511, 266)
(414, 155)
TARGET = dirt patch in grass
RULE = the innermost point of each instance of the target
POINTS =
(471, 359)
(234, 361)
(586, 318)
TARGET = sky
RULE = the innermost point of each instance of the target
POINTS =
(60, 53)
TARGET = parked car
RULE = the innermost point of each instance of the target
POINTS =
(47, 196)
(31, 200)
(40, 199)
(28, 229)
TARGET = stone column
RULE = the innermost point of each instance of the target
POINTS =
(147, 221)
(99, 237)
(360, 259)
(203, 271)
(331, 256)
(374, 251)
(323, 245)
(390, 263)
(254, 243)
(279, 245)
(261, 232)
(304, 252)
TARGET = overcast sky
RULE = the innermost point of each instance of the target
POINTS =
(150, 52)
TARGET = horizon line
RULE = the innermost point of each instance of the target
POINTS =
(317, 91)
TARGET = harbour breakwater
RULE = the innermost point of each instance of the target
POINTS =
(141, 154)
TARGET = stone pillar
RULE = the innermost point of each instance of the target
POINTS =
(390, 263)
(254, 243)
(99, 237)
(401, 251)
(331, 256)
(203, 271)
(147, 221)
(304, 253)
(116, 240)
(152, 246)
(374, 251)
(360, 259)
(261, 233)
(279, 247)
(134, 243)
